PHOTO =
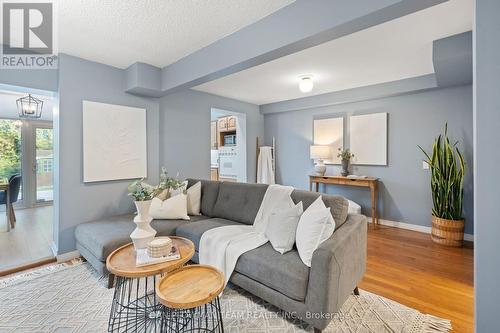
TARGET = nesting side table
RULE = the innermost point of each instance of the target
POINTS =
(190, 297)
(135, 306)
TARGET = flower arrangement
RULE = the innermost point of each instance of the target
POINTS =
(169, 183)
(345, 154)
(141, 191)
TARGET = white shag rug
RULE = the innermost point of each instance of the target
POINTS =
(62, 298)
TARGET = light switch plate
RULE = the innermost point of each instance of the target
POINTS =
(425, 165)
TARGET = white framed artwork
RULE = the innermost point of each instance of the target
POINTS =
(114, 142)
(368, 139)
(329, 132)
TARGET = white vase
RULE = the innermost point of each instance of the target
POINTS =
(143, 233)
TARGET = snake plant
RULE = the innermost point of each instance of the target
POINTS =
(447, 177)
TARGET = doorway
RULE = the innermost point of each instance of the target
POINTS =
(27, 152)
(228, 140)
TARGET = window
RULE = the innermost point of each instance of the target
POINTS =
(45, 165)
(10, 148)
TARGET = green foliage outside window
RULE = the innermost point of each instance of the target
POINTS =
(10, 148)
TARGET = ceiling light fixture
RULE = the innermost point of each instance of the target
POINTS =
(29, 107)
(306, 83)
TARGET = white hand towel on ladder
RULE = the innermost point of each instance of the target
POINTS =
(265, 172)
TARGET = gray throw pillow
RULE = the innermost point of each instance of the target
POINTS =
(282, 226)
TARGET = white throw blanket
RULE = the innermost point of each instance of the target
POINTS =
(265, 172)
(221, 247)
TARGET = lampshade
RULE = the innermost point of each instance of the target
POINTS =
(29, 107)
(320, 152)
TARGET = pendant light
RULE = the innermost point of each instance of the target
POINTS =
(29, 107)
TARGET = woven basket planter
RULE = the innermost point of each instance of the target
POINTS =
(447, 232)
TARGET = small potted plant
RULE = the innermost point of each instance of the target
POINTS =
(345, 155)
(447, 167)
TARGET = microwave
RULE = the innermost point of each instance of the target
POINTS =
(230, 140)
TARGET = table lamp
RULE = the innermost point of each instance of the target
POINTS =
(319, 154)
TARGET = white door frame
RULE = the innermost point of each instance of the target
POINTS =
(28, 167)
(241, 141)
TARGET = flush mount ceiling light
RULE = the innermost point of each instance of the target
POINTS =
(29, 107)
(306, 83)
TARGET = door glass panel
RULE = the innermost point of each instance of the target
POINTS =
(44, 164)
(10, 150)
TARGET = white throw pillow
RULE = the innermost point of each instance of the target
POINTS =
(173, 208)
(194, 199)
(315, 226)
(281, 228)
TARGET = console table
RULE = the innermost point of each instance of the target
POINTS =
(135, 306)
(370, 182)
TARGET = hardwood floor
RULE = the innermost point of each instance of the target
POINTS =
(29, 241)
(407, 267)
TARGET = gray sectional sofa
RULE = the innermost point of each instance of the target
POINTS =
(311, 294)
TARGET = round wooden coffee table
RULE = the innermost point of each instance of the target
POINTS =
(135, 307)
(190, 297)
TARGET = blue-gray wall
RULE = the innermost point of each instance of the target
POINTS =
(77, 202)
(185, 131)
(414, 119)
(43, 79)
(486, 161)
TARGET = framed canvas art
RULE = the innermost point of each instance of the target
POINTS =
(114, 142)
(329, 132)
(368, 139)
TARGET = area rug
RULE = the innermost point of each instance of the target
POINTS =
(73, 298)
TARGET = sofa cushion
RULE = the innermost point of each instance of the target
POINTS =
(338, 205)
(193, 231)
(104, 236)
(239, 202)
(209, 193)
(285, 273)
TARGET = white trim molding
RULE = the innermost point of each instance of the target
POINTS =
(68, 256)
(64, 256)
(414, 227)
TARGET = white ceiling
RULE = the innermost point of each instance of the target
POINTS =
(157, 32)
(395, 50)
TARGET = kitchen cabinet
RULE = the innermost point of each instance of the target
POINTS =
(214, 174)
(222, 124)
(226, 124)
(231, 123)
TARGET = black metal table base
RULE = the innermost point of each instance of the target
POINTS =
(206, 318)
(135, 307)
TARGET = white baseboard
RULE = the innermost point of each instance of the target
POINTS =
(64, 256)
(68, 256)
(414, 227)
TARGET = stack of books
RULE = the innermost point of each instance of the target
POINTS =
(143, 259)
